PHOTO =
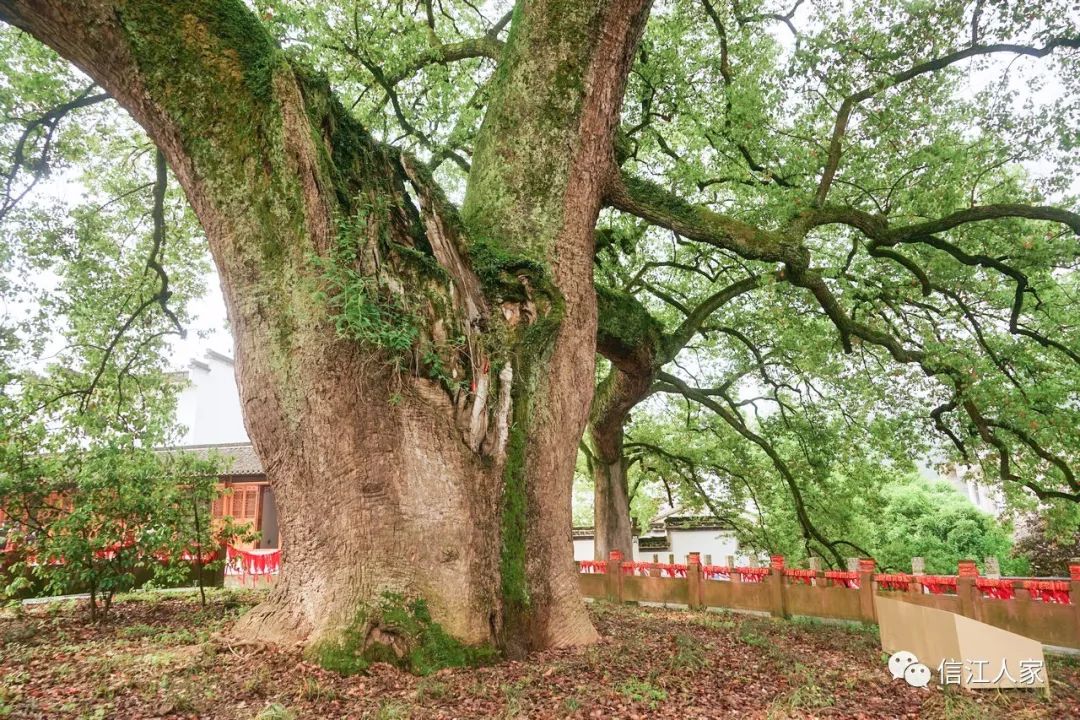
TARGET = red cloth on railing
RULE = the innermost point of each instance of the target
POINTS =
(752, 574)
(646, 569)
(590, 567)
(843, 578)
(671, 570)
(937, 584)
(996, 588)
(716, 572)
(1049, 591)
(806, 576)
(252, 562)
(108, 553)
(894, 581)
(205, 559)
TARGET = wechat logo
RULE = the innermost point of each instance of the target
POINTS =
(905, 665)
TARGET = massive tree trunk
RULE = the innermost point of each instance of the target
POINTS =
(424, 443)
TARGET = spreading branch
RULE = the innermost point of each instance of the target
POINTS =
(843, 115)
(48, 124)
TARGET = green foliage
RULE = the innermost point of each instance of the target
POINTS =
(276, 711)
(86, 401)
(933, 521)
(623, 320)
(256, 49)
(512, 568)
(371, 315)
(105, 517)
(690, 653)
(642, 691)
(361, 308)
(372, 312)
(1049, 549)
(499, 268)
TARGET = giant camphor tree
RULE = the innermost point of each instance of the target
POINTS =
(417, 372)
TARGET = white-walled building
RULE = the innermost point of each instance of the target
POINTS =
(673, 537)
(209, 408)
(209, 404)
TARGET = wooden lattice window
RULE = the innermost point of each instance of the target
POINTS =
(245, 503)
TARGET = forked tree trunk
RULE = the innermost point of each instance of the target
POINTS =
(612, 525)
(616, 395)
(389, 476)
(638, 347)
(634, 343)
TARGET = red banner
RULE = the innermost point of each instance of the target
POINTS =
(252, 563)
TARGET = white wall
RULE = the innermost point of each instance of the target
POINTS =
(209, 405)
(583, 549)
(717, 543)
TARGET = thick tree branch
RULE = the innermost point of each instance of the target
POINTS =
(648, 201)
(677, 340)
(487, 47)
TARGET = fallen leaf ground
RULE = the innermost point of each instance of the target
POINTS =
(160, 656)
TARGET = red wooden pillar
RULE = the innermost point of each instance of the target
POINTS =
(969, 595)
(614, 580)
(693, 581)
(776, 586)
(866, 589)
(1074, 594)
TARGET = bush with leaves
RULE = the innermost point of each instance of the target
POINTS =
(94, 287)
(1049, 546)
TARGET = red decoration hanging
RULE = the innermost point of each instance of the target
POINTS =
(996, 588)
(252, 563)
(804, 576)
(843, 578)
(752, 574)
(896, 581)
(1049, 591)
(938, 584)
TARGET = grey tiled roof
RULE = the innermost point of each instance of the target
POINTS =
(240, 457)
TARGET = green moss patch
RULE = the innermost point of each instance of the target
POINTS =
(399, 631)
(499, 269)
(624, 321)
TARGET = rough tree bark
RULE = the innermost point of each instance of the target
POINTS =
(443, 472)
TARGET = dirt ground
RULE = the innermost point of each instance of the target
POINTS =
(162, 656)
